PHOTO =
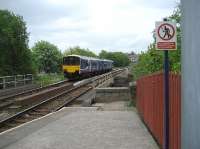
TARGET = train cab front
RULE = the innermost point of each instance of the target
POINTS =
(71, 67)
(71, 71)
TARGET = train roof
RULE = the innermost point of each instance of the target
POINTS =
(89, 58)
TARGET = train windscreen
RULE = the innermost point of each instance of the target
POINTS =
(71, 60)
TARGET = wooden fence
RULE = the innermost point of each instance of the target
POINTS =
(150, 106)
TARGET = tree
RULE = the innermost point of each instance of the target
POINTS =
(152, 60)
(175, 56)
(47, 57)
(79, 51)
(120, 59)
(148, 62)
(15, 57)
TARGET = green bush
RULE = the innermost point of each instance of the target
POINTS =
(46, 79)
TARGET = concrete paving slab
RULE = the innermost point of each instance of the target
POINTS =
(114, 106)
(81, 128)
(112, 90)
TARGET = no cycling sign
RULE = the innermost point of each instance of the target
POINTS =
(166, 36)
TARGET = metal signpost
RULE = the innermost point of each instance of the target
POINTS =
(166, 40)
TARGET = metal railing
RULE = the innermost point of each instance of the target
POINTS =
(15, 81)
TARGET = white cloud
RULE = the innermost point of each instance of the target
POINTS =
(95, 24)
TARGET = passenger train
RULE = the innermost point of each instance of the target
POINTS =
(76, 66)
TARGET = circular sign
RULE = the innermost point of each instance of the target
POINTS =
(166, 31)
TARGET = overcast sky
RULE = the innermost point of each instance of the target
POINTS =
(114, 25)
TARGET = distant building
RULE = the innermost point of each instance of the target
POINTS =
(133, 57)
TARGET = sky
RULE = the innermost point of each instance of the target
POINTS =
(112, 25)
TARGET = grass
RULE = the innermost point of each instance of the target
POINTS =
(46, 79)
(130, 103)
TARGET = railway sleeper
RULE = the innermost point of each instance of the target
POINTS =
(38, 113)
(5, 104)
(21, 121)
(4, 127)
(12, 124)
(42, 110)
(29, 117)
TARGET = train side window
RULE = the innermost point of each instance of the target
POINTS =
(93, 63)
(84, 64)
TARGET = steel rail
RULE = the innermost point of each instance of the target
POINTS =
(33, 90)
(39, 104)
(96, 79)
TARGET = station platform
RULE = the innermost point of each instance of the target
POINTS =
(81, 128)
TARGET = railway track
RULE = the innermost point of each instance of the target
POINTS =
(55, 102)
(47, 106)
(9, 100)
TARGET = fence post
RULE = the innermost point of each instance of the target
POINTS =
(15, 80)
(31, 79)
(4, 82)
(24, 76)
